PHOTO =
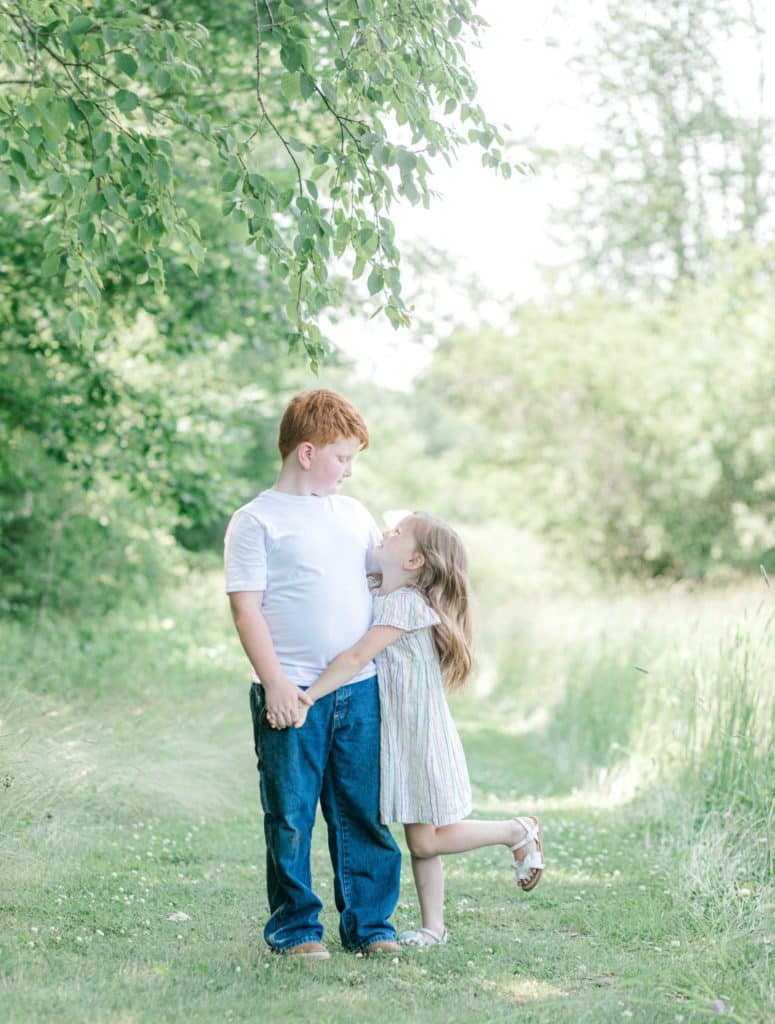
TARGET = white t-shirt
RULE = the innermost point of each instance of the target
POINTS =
(309, 556)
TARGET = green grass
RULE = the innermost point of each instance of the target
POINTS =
(129, 795)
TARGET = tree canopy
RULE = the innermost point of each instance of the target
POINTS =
(305, 119)
(186, 188)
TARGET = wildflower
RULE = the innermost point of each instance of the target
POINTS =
(718, 1006)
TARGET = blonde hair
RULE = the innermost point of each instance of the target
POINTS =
(443, 582)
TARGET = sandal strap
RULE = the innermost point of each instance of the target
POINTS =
(423, 937)
(532, 862)
(530, 836)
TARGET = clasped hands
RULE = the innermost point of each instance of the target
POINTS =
(287, 707)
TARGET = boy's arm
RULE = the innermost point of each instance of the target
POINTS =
(282, 697)
(350, 662)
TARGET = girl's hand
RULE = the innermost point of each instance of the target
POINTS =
(305, 703)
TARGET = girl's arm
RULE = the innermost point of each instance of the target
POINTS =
(350, 662)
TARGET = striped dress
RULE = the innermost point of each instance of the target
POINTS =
(423, 775)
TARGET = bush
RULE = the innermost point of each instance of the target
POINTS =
(639, 437)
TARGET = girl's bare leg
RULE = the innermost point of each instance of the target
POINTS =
(429, 881)
(430, 840)
(427, 842)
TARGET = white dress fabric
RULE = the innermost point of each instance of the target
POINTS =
(423, 776)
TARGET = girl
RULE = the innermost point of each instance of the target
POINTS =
(420, 637)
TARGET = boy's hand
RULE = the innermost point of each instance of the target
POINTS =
(297, 713)
(282, 704)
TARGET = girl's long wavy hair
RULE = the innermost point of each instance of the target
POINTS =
(443, 582)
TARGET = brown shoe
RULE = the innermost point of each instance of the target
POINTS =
(380, 947)
(308, 950)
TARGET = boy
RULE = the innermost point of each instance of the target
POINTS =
(296, 562)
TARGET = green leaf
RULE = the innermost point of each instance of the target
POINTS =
(163, 170)
(80, 24)
(311, 188)
(163, 78)
(306, 85)
(292, 55)
(101, 166)
(454, 25)
(126, 100)
(51, 264)
(59, 112)
(28, 114)
(229, 180)
(75, 322)
(405, 160)
(91, 288)
(358, 267)
(289, 83)
(102, 141)
(376, 281)
(125, 62)
(86, 232)
(112, 198)
(56, 184)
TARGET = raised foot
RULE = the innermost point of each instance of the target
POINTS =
(529, 867)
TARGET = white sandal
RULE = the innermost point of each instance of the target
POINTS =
(423, 939)
(531, 867)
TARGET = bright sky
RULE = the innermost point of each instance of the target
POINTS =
(491, 228)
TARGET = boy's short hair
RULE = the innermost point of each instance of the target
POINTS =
(321, 417)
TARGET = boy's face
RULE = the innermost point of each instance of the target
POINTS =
(331, 464)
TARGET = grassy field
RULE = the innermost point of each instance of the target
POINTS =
(638, 725)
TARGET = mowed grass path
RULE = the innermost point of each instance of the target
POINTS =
(132, 866)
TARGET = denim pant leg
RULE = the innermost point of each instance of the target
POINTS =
(365, 857)
(291, 764)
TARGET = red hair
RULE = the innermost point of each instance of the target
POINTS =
(321, 417)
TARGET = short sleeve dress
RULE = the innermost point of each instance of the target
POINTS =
(423, 773)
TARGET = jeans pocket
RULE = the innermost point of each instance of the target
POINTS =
(258, 713)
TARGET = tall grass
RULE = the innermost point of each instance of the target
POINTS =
(658, 703)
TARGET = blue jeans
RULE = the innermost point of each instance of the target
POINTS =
(333, 758)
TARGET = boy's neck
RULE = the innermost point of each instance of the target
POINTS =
(292, 481)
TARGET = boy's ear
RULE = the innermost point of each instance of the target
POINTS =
(304, 454)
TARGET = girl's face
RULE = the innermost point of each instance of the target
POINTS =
(397, 547)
